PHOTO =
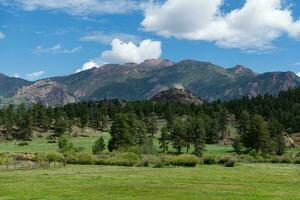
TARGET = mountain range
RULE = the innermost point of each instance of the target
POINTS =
(142, 81)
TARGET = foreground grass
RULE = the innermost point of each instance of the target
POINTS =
(247, 181)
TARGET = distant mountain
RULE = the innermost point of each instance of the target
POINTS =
(133, 81)
(9, 85)
(178, 96)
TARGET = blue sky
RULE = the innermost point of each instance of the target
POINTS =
(53, 38)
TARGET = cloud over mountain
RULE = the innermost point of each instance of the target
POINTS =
(123, 52)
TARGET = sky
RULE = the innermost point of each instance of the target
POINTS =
(40, 39)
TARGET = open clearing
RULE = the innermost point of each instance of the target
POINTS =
(77, 182)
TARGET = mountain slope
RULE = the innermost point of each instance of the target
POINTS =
(9, 85)
(133, 81)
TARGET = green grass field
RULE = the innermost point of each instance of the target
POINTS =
(91, 182)
(76, 182)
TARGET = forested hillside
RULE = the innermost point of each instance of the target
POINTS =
(260, 122)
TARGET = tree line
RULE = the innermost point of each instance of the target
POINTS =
(260, 122)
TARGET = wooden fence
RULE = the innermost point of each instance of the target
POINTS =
(32, 165)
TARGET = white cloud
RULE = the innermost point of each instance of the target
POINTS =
(35, 75)
(123, 52)
(252, 27)
(77, 7)
(2, 36)
(298, 74)
(56, 49)
(106, 38)
(89, 65)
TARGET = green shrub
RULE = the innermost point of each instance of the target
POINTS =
(253, 153)
(230, 163)
(70, 157)
(84, 158)
(120, 159)
(24, 143)
(158, 165)
(40, 157)
(5, 159)
(287, 159)
(245, 158)
(224, 159)
(186, 160)
(209, 160)
(54, 157)
(297, 161)
(276, 159)
(148, 160)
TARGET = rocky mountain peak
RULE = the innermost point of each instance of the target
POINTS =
(157, 63)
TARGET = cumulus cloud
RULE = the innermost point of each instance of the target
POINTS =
(123, 52)
(252, 27)
(298, 74)
(89, 65)
(77, 7)
(35, 75)
(2, 36)
(56, 49)
(106, 38)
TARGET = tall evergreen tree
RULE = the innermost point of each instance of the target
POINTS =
(164, 139)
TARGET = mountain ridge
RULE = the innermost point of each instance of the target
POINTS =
(133, 81)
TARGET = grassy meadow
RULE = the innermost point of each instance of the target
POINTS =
(77, 182)
(251, 181)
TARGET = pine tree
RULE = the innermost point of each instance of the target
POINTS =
(164, 140)
(198, 134)
(98, 146)
(177, 135)
(258, 135)
(120, 133)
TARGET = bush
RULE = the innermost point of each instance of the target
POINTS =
(224, 159)
(276, 159)
(287, 159)
(186, 160)
(84, 158)
(54, 157)
(245, 158)
(40, 157)
(209, 160)
(79, 158)
(158, 165)
(148, 160)
(253, 153)
(120, 159)
(24, 143)
(230, 163)
(5, 159)
(297, 161)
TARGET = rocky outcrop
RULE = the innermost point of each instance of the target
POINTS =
(46, 92)
(177, 95)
